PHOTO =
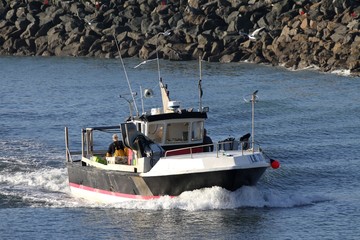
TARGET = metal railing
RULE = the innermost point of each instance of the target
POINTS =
(218, 147)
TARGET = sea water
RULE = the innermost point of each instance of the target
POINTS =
(307, 120)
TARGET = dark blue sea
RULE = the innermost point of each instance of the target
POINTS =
(309, 121)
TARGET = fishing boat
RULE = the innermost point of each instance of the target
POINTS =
(166, 155)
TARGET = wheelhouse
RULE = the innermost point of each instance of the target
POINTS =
(172, 130)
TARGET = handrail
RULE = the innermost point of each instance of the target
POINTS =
(68, 153)
(216, 146)
(188, 148)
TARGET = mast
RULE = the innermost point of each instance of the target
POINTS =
(200, 88)
(253, 100)
(164, 96)
(127, 79)
(163, 87)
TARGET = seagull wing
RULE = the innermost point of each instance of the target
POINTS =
(143, 62)
(256, 32)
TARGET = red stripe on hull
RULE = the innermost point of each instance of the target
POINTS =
(120, 195)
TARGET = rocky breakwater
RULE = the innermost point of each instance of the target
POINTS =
(292, 33)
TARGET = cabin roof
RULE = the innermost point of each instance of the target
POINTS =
(165, 116)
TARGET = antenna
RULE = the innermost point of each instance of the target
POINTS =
(127, 79)
(200, 88)
(254, 98)
(166, 33)
(129, 102)
(142, 100)
(163, 87)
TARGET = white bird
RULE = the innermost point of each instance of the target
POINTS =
(144, 62)
(254, 35)
(166, 33)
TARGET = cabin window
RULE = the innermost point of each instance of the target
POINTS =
(177, 132)
(155, 132)
(139, 127)
(197, 131)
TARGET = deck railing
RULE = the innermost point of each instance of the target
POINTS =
(218, 147)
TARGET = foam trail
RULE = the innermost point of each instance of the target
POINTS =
(42, 187)
(48, 187)
(219, 198)
(46, 178)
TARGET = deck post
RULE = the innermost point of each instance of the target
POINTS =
(82, 143)
(67, 144)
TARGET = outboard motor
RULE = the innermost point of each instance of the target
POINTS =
(147, 148)
(153, 151)
(143, 145)
(244, 141)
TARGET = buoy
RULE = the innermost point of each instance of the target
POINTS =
(274, 164)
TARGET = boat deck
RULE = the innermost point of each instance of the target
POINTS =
(115, 167)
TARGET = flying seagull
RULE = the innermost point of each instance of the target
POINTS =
(254, 35)
(144, 62)
(166, 33)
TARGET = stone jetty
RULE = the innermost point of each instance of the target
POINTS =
(292, 33)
